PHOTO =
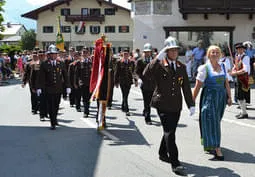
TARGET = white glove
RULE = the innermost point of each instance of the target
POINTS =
(140, 82)
(68, 90)
(38, 92)
(192, 110)
(161, 55)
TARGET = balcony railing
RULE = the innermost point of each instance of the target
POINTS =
(75, 18)
(217, 6)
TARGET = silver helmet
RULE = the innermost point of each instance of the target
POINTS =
(52, 49)
(171, 43)
(147, 47)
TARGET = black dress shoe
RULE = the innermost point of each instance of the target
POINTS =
(220, 158)
(179, 170)
(242, 116)
(85, 115)
(42, 118)
(127, 113)
(164, 158)
(53, 128)
(148, 122)
(78, 110)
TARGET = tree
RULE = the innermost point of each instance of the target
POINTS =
(28, 40)
(2, 2)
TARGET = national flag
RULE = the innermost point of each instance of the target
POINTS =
(80, 26)
(99, 82)
(60, 39)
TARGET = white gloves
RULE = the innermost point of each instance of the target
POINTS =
(192, 110)
(140, 82)
(38, 92)
(161, 55)
(68, 90)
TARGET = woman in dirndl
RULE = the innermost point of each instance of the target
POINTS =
(212, 76)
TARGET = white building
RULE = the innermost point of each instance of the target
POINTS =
(227, 21)
(12, 33)
(99, 16)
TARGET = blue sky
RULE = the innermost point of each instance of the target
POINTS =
(15, 8)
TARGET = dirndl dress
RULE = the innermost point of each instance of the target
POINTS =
(212, 105)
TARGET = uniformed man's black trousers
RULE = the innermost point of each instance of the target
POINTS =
(125, 92)
(43, 105)
(83, 92)
(109, 104)
(168, 148)
(147, 95)
(53, 106)
(72, 97)
(34, 101)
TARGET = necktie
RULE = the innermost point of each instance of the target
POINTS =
(172, 67)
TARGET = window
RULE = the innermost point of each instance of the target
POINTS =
(80, 31)
(162, 7)
(123, 29)
(66, 29)
(109, 11)
(109, 29)
(95, 12)
(94, 29)
(85, 11)
(65, 12)
(142, 7)
(47, 29)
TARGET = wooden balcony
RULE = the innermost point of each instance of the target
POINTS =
(217, 7)
(86, 18)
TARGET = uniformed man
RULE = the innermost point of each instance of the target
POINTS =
(170, 77)
(82, 80)
(30, 76)
(71, 67)
(52, 74)
(241, 70)
(43, 102)
(147, 84)
(112, 69)
(124, 76)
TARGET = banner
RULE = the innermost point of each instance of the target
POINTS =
(60, 39)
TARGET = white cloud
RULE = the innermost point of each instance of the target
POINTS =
(39, 2)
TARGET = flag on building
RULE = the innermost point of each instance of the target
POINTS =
(80, 27)
(99, 82)
(60, 39)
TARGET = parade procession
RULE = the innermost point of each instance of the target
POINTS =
(102, 90)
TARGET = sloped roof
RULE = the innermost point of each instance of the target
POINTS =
(11, 30)
(11, 39)
(34, 13)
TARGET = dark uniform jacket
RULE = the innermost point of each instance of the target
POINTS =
(167, 95)
(124, 73)
(82, 72)
(52, 77)
(70, 74)
(31, 74)
(148, 83)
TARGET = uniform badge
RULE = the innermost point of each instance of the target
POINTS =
(180, 80)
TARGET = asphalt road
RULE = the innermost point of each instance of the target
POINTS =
(127, 148)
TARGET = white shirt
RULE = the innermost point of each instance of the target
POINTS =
(202, 72)
(170, 63)
(246, 64)
(228, 66)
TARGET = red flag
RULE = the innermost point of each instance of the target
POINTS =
(80, 27)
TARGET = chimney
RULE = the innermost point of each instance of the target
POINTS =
(8, 24)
